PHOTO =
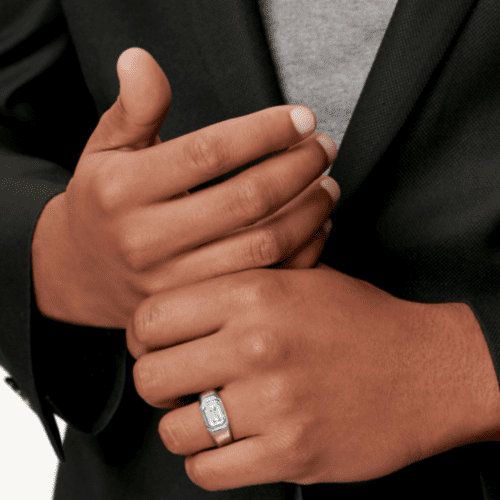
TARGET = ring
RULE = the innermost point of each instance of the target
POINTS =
(214, 415)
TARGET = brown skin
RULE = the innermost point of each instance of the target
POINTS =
(127, 227)
(324, 377)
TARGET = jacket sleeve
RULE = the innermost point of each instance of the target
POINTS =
(46, 117)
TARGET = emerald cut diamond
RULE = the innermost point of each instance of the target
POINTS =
(213, 413)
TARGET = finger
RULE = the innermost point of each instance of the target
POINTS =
(306, 256)
(251, 461)
(160, 172)
(164, 375)
(183, 431)
(259, 245)
(177, 226)
(137, 115)
(175, 316)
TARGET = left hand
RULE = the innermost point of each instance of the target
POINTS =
(324, 377)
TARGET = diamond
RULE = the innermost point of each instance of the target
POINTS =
(214, 413)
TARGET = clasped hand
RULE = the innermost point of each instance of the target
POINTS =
(324, 377)
(320, 375)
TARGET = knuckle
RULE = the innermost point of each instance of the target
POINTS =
(206, 154)
(249, 199)
(259, 288)
(259, 348)
(147, 284)
(298, 449)
(132, 247)
(279, 395)
(265, 248)
(108, 191)
(149, 378)
(196, 473)
(173, 435)
(150, 285)
(144, 320)
(141, 374)
(296, 441)
(253, 292)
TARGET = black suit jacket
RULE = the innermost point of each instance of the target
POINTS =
(419, 214)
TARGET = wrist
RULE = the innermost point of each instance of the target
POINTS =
(482, 383)
(464, 404)
(48, 270)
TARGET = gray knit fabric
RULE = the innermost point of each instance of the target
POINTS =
(323, 51)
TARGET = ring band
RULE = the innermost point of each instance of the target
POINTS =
(214, 415)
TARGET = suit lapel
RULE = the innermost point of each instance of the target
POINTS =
(239, 61)
(416, 40)
(233, 45)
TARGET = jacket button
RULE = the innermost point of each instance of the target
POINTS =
(13, 385)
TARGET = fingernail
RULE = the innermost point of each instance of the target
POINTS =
(327, 226)
(328, 145)
(303, 119)
(332, 187)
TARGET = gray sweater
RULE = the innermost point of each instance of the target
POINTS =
(323, 51)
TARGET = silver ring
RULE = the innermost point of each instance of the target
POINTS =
(214, 415)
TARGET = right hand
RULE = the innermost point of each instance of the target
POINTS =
(127, 227)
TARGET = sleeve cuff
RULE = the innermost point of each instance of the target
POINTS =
(78, 370)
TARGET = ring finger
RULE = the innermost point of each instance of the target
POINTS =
(183, 430)
(254, 456)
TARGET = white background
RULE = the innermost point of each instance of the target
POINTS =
(28, 464)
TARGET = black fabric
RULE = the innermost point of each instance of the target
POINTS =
(94, 359)
(419, 215)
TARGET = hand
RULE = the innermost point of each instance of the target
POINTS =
(324, 377)
(126, 227)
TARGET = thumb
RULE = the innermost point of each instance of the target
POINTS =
(136, 117)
